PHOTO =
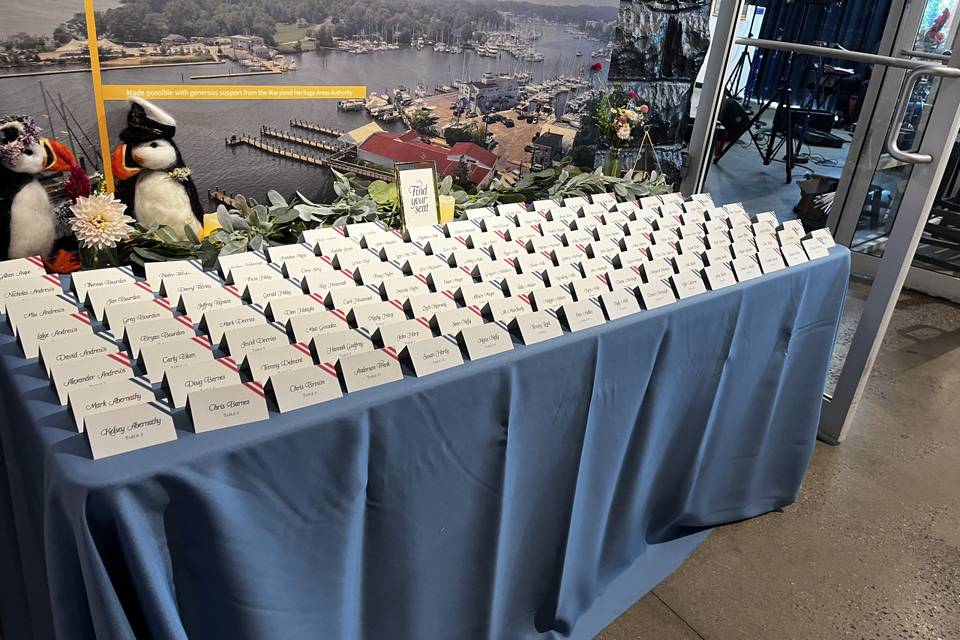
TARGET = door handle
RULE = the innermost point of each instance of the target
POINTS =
(903, 103)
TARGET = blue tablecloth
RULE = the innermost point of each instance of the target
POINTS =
(513, 497)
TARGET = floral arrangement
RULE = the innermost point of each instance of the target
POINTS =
(100, 223)
(620, 116)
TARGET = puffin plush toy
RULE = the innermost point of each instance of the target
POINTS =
(152, 179)
(28, 226)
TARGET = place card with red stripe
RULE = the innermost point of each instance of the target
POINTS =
(32, 334)
(282, 309)
(329, 347)
(375, 273)
(244, 340)
(746, 268)
(298, 268)
(156, 272)
(226, 264)
(101, 297)
(312, 236)
(179, 382)
(793, 254)
(655, 294)
(451, 321)
(687, 284)
(624, 278)
(303, 328)
(432, 355)
(577, 316)
(373, 314)
(329, 247)
(117, 317)
(426, 304)
(321, 283)
(586, 288)
(27, 288)
(279, 254)
(22, 267)
(128, 429)
(481, 341)
(370, 369)
(157, 359)
(156, 331)
(480, 213)
(83, 281)
(620, 302)
(65, 377)
(197, 303)
(447, 279)
(303, 387)
(262, 293)
(398, 253)
(477, 293)
(506, 309)
(770, 260)
(814, 248)
(397, 335)
(217, 321)
(33, 309)
(116, 395)
(493, 270)
(402, 287)
(548, 298)
(240, 277)
(229, 406)
(74, 348)
(175, 286)
(536, 326)
(262, 364)
(350, 296)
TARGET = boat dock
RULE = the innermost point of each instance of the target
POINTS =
(241, 74)
(333, 162)
(332, 147)
(221, 197)
(310, 126)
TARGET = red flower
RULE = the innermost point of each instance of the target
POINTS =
(597, 66)
(633, 95)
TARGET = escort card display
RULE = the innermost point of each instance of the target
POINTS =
(352, 309)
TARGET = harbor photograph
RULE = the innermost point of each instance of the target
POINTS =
(482, 89)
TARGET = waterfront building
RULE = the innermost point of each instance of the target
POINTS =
(173, 40)
(246, 43)
(359, 135)
(388, 149)
(494, 93)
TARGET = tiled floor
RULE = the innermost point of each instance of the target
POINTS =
(872, 547)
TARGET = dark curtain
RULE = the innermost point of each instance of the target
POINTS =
(853, 24)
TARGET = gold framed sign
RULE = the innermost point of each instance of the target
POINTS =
(419, 194)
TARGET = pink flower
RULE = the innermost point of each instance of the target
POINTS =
(644, 108)
(633, 95)
(597, 66)
(623, 119)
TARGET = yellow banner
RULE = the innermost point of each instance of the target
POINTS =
(232, 92)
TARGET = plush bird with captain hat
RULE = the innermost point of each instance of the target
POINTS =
(28, 224)
(152, 178)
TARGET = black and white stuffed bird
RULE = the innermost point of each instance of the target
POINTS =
(28, 224)
(152, 178)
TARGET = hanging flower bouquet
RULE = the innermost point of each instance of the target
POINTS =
(622, 121)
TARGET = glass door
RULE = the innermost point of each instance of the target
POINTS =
(856, 138)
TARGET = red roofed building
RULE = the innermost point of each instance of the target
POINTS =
(390, 148)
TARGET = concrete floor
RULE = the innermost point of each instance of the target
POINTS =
(871, 549)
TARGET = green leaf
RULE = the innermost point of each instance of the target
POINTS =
(276, 199)
(239, 224)
(382, 192)
(225, 219)
(149, 255)
(191, 234)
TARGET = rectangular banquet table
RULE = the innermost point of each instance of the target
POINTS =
(533, 494)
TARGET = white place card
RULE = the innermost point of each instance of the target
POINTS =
(687, 284)
(620, 302)
(495, 224)
(34, 309)
(263, 364)
(532, 263)
(157, 359)
(511, 208)
(354, 258)
(376, 273)
(549, 298)
(484, 340)
(217, 321)
(422, 264)
(687, 262)
(738, 234)
(477, 293)
(565, 215)
(442, 246)
(770, 260)
(230, 406)
(468, 258)
(402, 287)
(536, 326)
(298, 388)
(744, 248)
(175, 286)
(518, 284)
(74, 349)
(450, 322)
(814, 249)
(482, 239)
(425, 305)
(279, 254)
(577, 237)
(329, 247)
(423, 235)
(601, 249)
(398, 253)
(520, 234)
(321, 283)
(101, 297)
(587, 288)
(577, 316)
(330, 347)
(546, 205)
(282, 309)
(226, 264)
(350, 296)
(565, 256)
(656, 270)
(460, 228)
(787, 236)
(507, 250)
(157, 271)
(128, 429)
(479, 213)
(380, 240)
(397, 335)
(240, 277)
(367, 370)
(720, 276)
(303, 328)
(691, 245)
(768, 217)
(767, 242)
(447, 279)
(358, 230)
(661, 251)
(494, 270)
(746, 268)
(89, 372)
(33, 334)
(82, 281)
(624, 278)
(655, 294)
(180, 382)
(636, 242)
(629, 258)
(197, 303)
(312, 236)
(793, 254)
(28, 288)
(154, 332)
(22, 267)
(719, 255)
(244, 340)
(371, 315)
(824, 236)
(118, 394)
(505, 310)
(431, 356)
(552, 228)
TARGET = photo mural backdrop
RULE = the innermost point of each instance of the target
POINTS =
(273, 94)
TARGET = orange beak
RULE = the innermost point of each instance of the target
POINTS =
(59, 157)
(121, 170)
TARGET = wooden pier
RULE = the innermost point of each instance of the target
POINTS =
(334, 162)
(332, 147)
(327, 131)
(221, 197)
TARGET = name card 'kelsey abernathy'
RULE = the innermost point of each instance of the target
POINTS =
(128, 429)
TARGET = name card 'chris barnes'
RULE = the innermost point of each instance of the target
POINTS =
(224, 407)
